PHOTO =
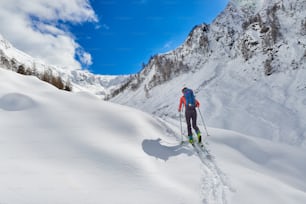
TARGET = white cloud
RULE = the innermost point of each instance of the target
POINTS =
(85, 58)
(37, 27)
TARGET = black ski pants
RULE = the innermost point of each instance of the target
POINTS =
(191, 118)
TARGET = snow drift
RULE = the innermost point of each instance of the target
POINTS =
(62, 147)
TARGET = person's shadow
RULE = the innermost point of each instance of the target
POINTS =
(155, 149)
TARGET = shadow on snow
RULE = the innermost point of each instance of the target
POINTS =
(155, 149)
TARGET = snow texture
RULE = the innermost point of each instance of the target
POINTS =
(62, 147)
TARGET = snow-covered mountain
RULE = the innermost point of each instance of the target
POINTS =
(248, 69)
(80, 80)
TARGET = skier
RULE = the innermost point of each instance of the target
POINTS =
(190, 103)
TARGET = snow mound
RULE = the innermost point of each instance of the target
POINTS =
(16, 102)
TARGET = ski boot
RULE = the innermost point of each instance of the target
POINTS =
(190, 139)
(199, 136)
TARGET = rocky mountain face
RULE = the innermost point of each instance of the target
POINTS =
(250, 60)
(268, 35)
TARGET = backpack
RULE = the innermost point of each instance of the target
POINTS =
(190, 98)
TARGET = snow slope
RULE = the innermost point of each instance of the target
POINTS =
(62, 147)
(274, 107)
(58, 147)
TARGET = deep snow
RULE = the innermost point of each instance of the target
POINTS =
(62, 147)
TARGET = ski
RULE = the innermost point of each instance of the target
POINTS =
(199, 148)
(196, 149)
(204, 150)
(202, 146)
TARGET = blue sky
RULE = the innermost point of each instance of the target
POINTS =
(128, 33)
(104, 36)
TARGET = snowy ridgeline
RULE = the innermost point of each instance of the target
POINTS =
(77, 80)
(63, 147)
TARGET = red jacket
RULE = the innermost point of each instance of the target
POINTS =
(183, 101)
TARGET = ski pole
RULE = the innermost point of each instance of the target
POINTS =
(203, 121)
(181, 127)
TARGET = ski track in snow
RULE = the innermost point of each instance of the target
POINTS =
(215, 184)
